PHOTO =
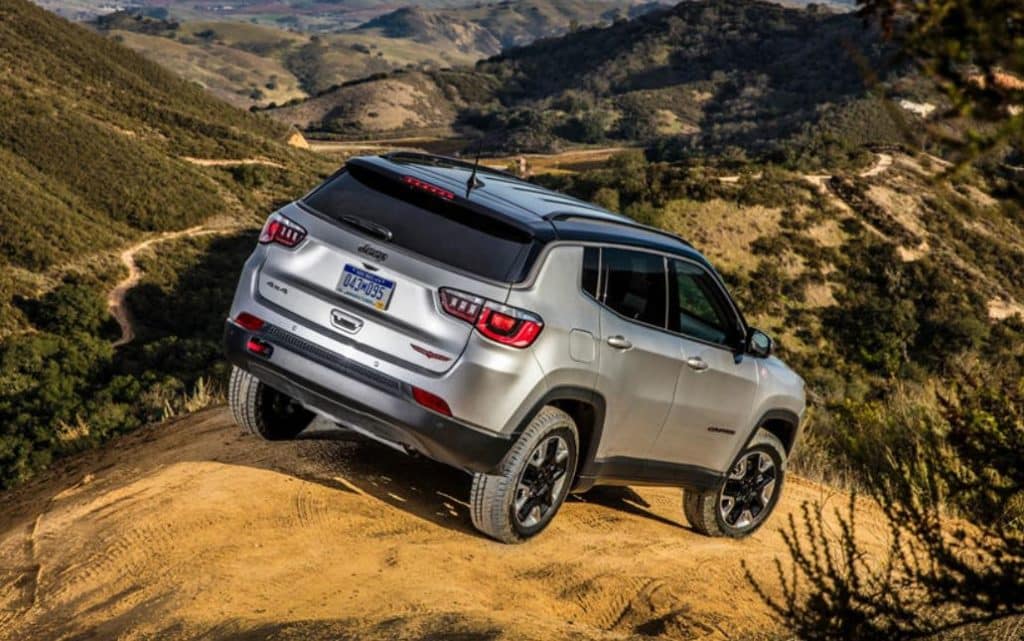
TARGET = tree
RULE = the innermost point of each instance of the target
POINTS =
(973, 51)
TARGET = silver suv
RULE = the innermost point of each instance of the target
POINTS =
(538, 342)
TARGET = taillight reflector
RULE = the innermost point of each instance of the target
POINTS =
(431, 401)
(423, 185)
(249, 322)
(261, 348)
(282, 231)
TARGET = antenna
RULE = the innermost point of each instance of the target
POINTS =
(472, 183)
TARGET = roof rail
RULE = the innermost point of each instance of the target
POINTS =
(438, 159)
(624, 222)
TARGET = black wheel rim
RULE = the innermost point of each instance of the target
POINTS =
(541, 482)
(280, 407)
(749, 490)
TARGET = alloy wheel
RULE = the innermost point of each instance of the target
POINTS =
(542, 481)
(749, 490)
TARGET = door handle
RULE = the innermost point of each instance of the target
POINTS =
(619, 342)
(696, 363)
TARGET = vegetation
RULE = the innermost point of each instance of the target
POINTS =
(953, 486)
(971, 51)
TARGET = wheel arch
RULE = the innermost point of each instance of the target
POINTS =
(586, 408)
(783, 423)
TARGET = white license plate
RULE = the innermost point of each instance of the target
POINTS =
(365, 287)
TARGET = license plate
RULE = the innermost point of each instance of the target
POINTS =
(366, 288)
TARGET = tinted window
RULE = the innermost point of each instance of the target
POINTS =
(697, 307)
(634, 285)
(427, 225)
(591, 263)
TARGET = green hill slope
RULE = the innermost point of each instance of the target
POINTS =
(92, 141)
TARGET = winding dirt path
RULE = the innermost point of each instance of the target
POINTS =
(116, 297)
(227, 162)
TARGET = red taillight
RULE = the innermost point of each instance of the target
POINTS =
(422, 185)
(282, 231)
(249, 322)
(506, 325)
(431, 401)
(515, 328)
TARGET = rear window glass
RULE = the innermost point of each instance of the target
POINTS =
(457, 236)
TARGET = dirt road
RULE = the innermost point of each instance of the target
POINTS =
(192, 530)
(116, 296)
(228, 162)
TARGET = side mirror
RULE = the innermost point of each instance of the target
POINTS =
(759, 344)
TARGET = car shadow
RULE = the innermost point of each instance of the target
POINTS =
(626, 499)
(425, 488)
(344, 460)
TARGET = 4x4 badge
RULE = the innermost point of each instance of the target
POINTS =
(429, 354)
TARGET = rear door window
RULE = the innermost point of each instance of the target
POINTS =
(635, 285)
(430, 226)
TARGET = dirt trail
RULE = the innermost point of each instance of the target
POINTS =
(218, 162)
(882, 162)
(116, 296)
(191, 530)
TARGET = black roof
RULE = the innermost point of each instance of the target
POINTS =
(547, 213)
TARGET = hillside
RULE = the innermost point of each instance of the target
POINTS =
(191, 530)
(710, 75)
(94, 136)
(100, 148)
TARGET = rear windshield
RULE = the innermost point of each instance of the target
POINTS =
(457, 236)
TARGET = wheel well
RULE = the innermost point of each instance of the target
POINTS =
(584, 414)
(784, 430)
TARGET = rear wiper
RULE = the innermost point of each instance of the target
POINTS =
(380, 231)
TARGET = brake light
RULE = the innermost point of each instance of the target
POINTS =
(431, 401)
(506, 325)
(422, 185)
(282, 231)
(249, 322)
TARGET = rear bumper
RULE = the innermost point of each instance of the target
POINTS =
(362, 399)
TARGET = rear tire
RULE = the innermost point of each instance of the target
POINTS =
(262, 410)
(745, 500)
(536, 476)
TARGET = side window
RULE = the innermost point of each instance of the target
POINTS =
(591, 265)
(697, 308)
(634, 285)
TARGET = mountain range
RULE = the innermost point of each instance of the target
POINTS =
(261, 62)
(714, 75)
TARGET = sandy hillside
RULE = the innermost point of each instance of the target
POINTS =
(192, 530)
